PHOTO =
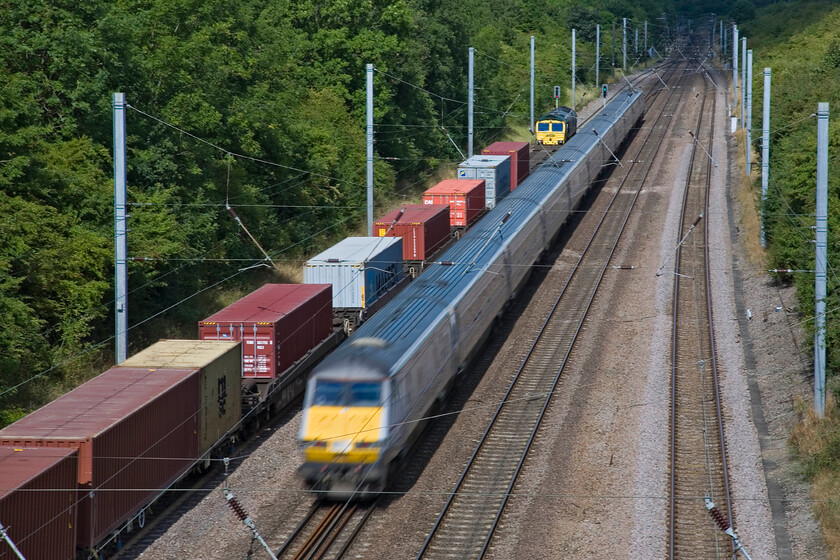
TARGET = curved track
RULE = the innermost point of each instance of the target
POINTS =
(467, 523)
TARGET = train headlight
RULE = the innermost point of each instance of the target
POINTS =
(368, 444)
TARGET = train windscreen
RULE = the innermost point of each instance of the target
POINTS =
(338, 393)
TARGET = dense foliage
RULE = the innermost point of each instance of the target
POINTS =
(805, 63)
(259, 105)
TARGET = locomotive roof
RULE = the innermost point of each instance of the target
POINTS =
(426, 301)
(559, 113)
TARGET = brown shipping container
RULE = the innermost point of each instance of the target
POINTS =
(277, 324)
(38, 493)
(424, 229)
(220, 366)
(520, 159)
(465, 198)
(134, 428)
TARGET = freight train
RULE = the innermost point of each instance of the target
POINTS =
(557, 126)
(365, 403)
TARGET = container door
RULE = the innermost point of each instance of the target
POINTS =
(258, 351)
(489, 176)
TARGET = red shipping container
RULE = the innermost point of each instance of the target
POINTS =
(465, 198)
(277, 324)
(134, 428)
(38, 493)
(424, 229)
(520, 159)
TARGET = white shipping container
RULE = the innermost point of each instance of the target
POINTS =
(495, 170)
(360, 269)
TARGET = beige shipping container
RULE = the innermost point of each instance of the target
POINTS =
(220, 363)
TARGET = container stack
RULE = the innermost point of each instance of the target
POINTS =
(464, 197)
(424, 228)
(360, 270)
(136, 431)
(277, 324)
(495, 170)
(38, 494)
(520, 159)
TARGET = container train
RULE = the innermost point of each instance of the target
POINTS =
(557, 126)
(365, 403)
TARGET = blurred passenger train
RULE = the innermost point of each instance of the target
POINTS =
(366, 402)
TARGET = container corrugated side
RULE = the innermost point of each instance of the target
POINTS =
(495, 170)
(38, 494)
(134, 428)
(520, 159)
(220, 365)
(423, 228)
(278, 324)
(465, 199)
(360, 270)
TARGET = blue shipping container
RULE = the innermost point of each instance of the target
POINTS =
(495, 170)
(360, 269)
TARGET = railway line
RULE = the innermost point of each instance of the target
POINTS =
(475, 507)
(698, 454)
(320, 530)
(345, 530)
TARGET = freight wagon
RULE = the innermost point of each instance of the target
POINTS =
(284, 329)
(424, 229)
(520, 159)
(465, 198)
(38, 494)
(134, 428)
(495, 170)
(364, 273)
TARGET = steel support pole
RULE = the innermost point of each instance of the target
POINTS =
(765, 151)
(532, 85)
(743, 82)
(120, 231)
(470, 103)
(370, 150)
(598, 54)
(573, 69)
(821, 259)
(624, 44)
(636, 43)
(734, 67)
(748, 116)
(646, 46)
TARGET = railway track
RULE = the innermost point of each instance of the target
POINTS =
(326, 532)
(698, 455)
(466, 525)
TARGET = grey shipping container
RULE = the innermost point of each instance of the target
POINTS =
(495, 170)
(38, 494)
(220, 366)
(360, 269)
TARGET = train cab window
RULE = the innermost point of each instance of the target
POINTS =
(328, 393)
(542, 127)
(365, 394)
(557, 127)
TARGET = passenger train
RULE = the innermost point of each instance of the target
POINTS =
(364, 404)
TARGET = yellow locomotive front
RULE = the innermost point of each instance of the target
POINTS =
(551, 132)
(343, 432)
